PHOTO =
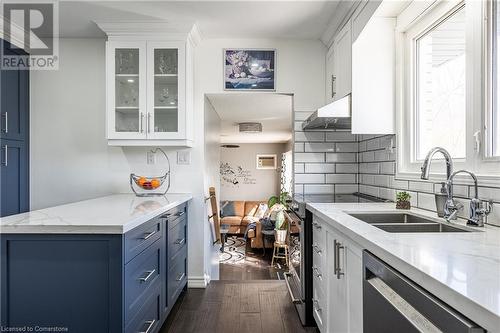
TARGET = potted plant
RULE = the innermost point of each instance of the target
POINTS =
(281, 226)
(403, 200)
(277, 206)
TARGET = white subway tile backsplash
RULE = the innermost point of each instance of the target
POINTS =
(458, 190)
(346, 147)
(341, 178)
(368, 168)
(373, 144)
(298, 147)
(362, 146)
(297, 126)
(368, 156)
(367, 179)
(341, 136)
(421, 187)
(298, 189)
(387, 193)
(309, 178)
(309, 157)
(347, 168)
(382, 180)
(320, 167)
(299, 168)
(319, 189)
(381, 155)
(387, 142)
(319, 147)
(399, 184)
(346, 189)
(426, 201)
(388, 168)
(370, 190)
(487, 193)
(494, 217)
(341, 157)
(309, 136)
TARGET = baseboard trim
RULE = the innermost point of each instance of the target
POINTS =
(198, 281)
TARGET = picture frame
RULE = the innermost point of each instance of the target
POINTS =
(249, 69)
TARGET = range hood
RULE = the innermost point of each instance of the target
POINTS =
(336, 115)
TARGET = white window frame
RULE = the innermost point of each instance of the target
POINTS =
(418, 18)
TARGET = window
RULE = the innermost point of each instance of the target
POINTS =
(439, 108)
(493, 113)
(441, 87)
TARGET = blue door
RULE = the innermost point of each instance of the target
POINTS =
(14, 139)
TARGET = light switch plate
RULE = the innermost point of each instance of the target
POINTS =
(151, 157)
(184, 157)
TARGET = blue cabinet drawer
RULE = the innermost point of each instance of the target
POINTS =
(138, 239)
(173, 216)
(148, 319)
(177, 239)
(142, 274)
(177, 276)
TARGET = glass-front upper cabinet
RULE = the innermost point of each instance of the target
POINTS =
(146, 94)
(166, 90)
(127, 85)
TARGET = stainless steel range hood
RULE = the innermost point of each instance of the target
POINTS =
(336, 115)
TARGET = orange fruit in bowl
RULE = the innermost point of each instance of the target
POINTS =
(141, 181)
(155, 183)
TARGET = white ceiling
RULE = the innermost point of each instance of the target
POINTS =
(274, 111)
(215, 19)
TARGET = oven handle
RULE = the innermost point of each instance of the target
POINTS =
(295, 300)
(418, 320)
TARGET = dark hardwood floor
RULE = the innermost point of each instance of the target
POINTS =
(235, 306)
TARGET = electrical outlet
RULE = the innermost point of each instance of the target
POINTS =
(184, 157)
(151, 157)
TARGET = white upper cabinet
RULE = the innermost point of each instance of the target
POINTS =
(342, 62)
(373, 78)
(147, 88)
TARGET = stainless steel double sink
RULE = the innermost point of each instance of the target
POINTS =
(406, 223)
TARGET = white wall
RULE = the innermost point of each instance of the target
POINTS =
(211, 178)
(70, 158)
(262, 184)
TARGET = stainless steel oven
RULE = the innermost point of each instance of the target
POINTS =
(299, 278)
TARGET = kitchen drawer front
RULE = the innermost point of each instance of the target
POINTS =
(177, 276)
(173, 215)
(148, 318)
(142, 274)
(320, 311)
(177, 238)
(138, 239)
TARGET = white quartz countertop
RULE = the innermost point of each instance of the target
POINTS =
(113, 214)
(462, 269)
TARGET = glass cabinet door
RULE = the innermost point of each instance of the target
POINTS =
(166, 80)
(126, 88)
(166, 85)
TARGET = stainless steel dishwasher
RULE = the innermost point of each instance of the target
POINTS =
(393, 303)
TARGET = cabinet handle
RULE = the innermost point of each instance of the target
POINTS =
(334, 86)
(318, 273)
(336, 265)
(179, 214)
(140, 122)
(149, 123)
(316, 225)
(180, 277)
(317, 249)
(148, 235)
(149, 274)
(6, 155)
(316, 305)
(6, 128)
(150, 324)
(180, 241)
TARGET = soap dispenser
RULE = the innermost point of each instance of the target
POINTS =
(441, 197)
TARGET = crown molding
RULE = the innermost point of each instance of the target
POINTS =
(155, 30)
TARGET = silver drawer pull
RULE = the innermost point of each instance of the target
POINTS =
(181, 277)
(6, 128)
(148, 235)
(316, 305)
(316, 225)
(180, 241)
(317, 249)
(150, 324)
(179, 214)
(318, 274)
(6, 156)
(149, 274)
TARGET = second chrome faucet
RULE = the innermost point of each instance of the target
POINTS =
(478, 209)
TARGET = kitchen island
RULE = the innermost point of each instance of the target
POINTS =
(460, 269)
(111, 264)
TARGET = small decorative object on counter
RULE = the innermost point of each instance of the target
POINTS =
(403, 200)
(144, 186)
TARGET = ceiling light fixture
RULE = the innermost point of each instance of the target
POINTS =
(250, 127)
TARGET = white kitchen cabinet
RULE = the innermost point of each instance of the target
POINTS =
(148, 79)
(337, 280)
(373, 78)
(342, 62)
